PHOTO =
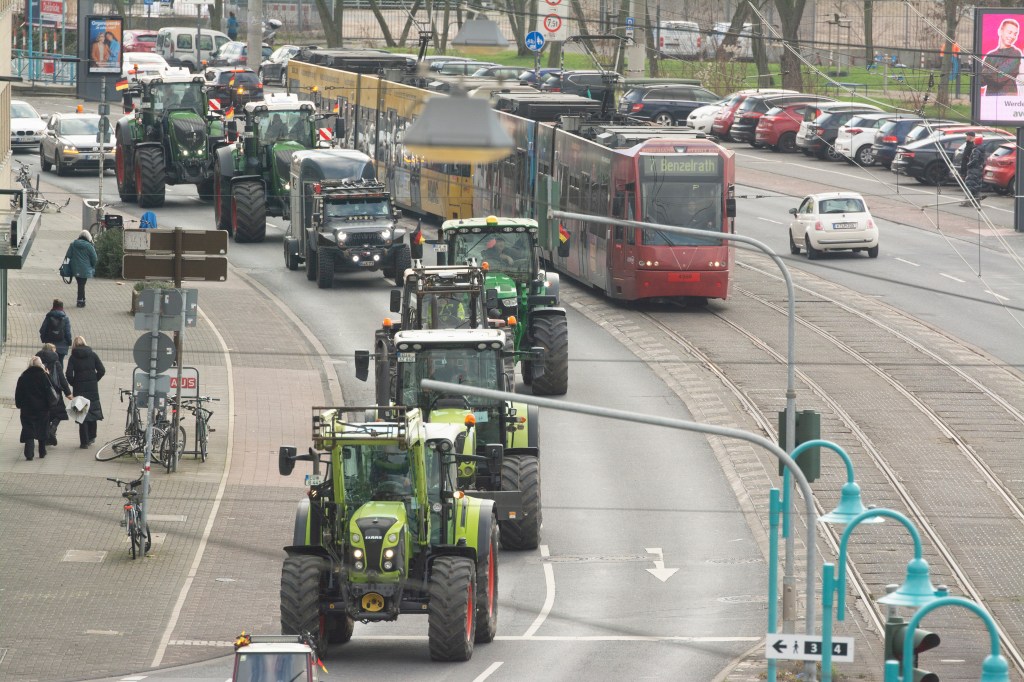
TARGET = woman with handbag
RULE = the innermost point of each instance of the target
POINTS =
(59, 413)
(85, 369)
(83, 262)
(35, 397)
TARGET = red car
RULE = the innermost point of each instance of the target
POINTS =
(724, 118)
(999, 169)
(777, 129)
(138, 40)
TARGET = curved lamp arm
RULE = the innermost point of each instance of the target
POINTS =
(797, 451)
(841, 568)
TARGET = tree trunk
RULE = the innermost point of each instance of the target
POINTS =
(952, 12)
(760, 54)
(388, 38)
(869, 23)
(652, 45)
(444, 32)
(332, 28)
(731, 37)
(408, 21)
(790, 14)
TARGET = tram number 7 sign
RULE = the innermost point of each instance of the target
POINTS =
(806, 648)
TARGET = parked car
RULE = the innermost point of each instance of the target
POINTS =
(138, 64)
(928, 160)
(138, 40)
(236, 53)
(178, 45)
(27, 126)
(69, 143)
(680, 39)
(233, 87)
(778, 127)
(664, 104)
(536, 79)
(927, 128)
(754, 107)
(596, 85)
(889, 135)
(990, 142)
(434, 62)
(1000, 169)
(702, 118)
(832, 221)
(509, 73)
(856, 137)
(817, 137)
(462, 68)
(275, 67)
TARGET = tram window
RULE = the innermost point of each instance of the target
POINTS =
(619, 233)
(631, 236)
(618, 205)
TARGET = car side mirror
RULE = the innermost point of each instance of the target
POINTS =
(396, 300)
(730, 207)
(286, 459)
(339, 128)
(362, 362)
(491, 300)
(792, 211)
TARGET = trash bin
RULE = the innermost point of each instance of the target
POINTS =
(91, 214)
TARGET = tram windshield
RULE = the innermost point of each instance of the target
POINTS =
(681, 192)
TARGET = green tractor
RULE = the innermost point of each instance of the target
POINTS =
(169, 139)
(504, 434)
(507, 248)
(251, 176)
(384, 531)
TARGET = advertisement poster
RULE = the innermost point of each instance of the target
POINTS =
(998, 93)
(105, 45)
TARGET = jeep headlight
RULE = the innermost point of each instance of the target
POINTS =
(386, 234)
(341, 237)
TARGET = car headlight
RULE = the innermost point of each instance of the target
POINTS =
(341, 237)
(287, 185)
(69, 148)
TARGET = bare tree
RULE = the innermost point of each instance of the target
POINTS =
(790, 14)
(331, 22)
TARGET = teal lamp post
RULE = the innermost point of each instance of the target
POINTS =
(849, 508)
(993, 669)
(916, 590)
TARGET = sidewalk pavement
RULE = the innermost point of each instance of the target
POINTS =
(73, 604)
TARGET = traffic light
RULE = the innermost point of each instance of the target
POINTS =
(808, 427)
(923, 640)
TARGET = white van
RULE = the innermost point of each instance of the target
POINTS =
(679, 39)
(178, 46)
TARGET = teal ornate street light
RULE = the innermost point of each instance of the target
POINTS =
(993, 669)
(916, 590)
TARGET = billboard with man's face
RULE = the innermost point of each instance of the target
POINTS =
(997, 97)
(105, 55)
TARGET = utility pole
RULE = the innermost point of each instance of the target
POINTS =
(254, 34)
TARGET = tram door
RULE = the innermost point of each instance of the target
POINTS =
(622, 254)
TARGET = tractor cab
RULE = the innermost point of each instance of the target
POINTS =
(441, 297)
(259, 658)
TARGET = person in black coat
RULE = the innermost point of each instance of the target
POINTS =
(56, 329)
(85, 369)
(32, 397)
(59, 413)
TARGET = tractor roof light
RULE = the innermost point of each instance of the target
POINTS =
(386, 323)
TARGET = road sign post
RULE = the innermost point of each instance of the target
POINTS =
(535, 43)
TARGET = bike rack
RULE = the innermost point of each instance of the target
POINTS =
(192, 393)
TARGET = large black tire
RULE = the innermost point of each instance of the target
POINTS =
(403, 260)
(150, 181)
(248, 211)
(339, 628)
(125, 180)
(551, 332)
(324, 267)
(221, 200)
(487, 587)
(300, 595)
(812, 253)
(451, 612)
(206, 189)
(62, 170)
(522, 472)
(310, 263)
(44, 162)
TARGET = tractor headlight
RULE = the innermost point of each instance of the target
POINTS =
(359, 565)
(388, 553)
(357, 553)
(287, 185)
(184, 152)
(388, 565)
(356, 539)
(393, 537)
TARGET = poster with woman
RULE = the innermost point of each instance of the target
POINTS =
(998, 93)
(105, 45)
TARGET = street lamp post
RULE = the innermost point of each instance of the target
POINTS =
(993, 669)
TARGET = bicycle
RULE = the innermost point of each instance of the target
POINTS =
(172, 444)
(133, 442)
(202, 422)
(133, 516)
(37, 203)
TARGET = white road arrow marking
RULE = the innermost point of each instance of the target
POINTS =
(659, 571)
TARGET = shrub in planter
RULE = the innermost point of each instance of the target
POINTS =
(109, 253)
(146, 284)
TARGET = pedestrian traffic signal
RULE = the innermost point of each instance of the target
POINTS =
(922, 640)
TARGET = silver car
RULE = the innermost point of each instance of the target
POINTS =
(26, 126)
(70, 143)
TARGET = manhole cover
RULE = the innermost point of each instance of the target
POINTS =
(744, 599)
(84, 556)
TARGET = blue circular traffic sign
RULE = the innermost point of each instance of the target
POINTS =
(535, 41)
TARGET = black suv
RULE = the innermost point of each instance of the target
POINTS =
(233, 87)
(890, 135)
(818, 137)
(928, 160)
(599, 85)
(664, 104)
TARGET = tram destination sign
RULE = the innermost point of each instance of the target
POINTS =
(670, 165)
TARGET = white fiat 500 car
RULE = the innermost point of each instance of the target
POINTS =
(832, 221)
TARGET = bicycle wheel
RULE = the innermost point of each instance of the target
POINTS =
(157, 455)
(201, 437)
(124, 445)
(135, 532)
(171, 448)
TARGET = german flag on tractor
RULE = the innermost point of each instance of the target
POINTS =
(563, 234)
(121, 86)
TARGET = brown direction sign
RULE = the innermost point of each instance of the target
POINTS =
(211, 242)
(152, 266)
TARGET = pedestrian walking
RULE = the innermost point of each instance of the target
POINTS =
(56, 329)
(34, 396)
(232, 26)
(974, 171)
(58, 411)
(83, 262)
(85, 369)
(965, 158)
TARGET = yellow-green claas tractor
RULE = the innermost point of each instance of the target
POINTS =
(384, 531)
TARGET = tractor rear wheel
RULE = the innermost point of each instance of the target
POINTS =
(300, 595)
(451, 611)
(125, 180)
(310, 264)
(403, 260)
(522, 472)
(248, 211)
(487, 587)
(551, 332)
(222, 200)
(324, 267)
(150, 182)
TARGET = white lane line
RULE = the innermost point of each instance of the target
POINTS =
(487, 673)
(955, 279)
(908, 262)
(769, 220)
(198, 558)
(549, 599)
(992, 293)
(573, 638)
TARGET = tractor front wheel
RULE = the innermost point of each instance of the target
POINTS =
(300, 595)
(551, 332)
(403, 261)
(248, 211)
(487, 587)
(451, 612)
(222, 200)
(150, 182)
(522, 473)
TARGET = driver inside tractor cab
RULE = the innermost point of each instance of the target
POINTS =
(390, 474)
(270, 667)
(445, 311)
(506, 251)
(282, 125)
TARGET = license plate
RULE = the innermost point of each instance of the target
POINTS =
(314, 479)
(89, 157)
(366, 263)
(844, 226)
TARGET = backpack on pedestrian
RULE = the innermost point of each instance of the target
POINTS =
(54, 329)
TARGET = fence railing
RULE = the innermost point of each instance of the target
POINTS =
(45, 67)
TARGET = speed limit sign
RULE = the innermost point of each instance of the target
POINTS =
(552, 23)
